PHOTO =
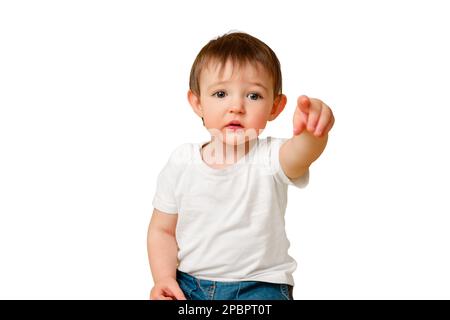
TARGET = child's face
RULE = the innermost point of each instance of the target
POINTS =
(243, 94)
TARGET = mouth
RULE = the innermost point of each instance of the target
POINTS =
(234, 125)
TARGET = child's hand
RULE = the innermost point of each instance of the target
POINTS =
(167, 289)
(313, 115)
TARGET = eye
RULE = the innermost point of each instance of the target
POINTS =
(254, 96)
(220, 94)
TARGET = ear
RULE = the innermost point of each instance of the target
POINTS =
(194, 101)
(278, 105)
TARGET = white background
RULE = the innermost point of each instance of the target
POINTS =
(93, 100)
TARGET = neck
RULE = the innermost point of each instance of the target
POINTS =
(218, 153)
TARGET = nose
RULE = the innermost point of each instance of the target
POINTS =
(237, 106)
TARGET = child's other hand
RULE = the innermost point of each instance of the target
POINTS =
(313, 115)
(167, 289)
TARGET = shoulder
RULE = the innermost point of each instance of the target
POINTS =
(270, 144)
(270, 154)
(273, 145)
(182, 154)
(179, 159)
(267, 153)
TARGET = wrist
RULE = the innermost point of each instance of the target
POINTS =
(164, 278)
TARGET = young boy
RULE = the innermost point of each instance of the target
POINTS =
(217, 230)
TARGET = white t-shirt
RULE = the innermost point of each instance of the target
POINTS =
(230, 223)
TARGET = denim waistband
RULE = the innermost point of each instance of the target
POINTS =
(201, 289)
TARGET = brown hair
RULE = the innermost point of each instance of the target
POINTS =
(241, 48)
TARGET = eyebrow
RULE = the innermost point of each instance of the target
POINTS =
(219, 83)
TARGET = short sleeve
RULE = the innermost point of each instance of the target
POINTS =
(165, 198)
(274, 152)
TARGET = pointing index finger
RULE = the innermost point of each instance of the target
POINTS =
(303, 103)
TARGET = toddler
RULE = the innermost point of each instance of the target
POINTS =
(217, 231)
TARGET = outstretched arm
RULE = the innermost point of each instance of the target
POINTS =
(313, 119)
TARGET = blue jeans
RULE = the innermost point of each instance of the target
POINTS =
(199, 289)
